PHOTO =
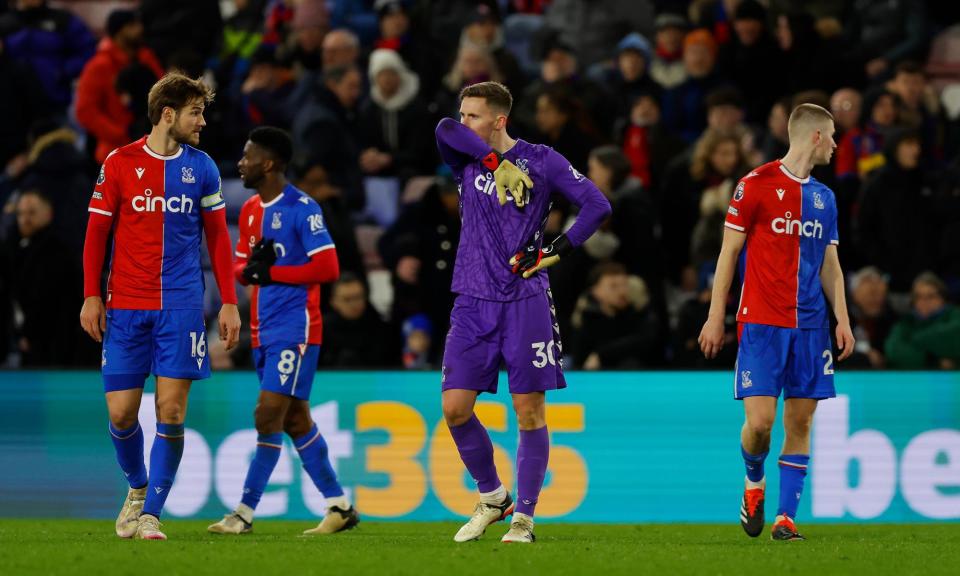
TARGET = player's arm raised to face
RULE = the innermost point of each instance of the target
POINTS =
(831, 278)
(458, 144)
(711, 337)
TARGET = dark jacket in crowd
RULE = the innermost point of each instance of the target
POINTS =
(54, 43)
(361, 343)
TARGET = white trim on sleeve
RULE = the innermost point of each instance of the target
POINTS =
(220, 207)
(240, 254)
(734, 226)
(320, 249)
(835, 242)
(99, 211)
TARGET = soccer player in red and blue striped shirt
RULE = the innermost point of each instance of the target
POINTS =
(782, 225)
(157, 195)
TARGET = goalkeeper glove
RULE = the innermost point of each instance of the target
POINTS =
(511, 182)
(532, 259)
(262, 257)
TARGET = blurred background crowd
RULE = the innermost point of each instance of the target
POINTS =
(664, 104)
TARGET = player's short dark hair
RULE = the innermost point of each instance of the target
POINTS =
(909, 67)
(605, 269)
(613, 159)
(496, 95)
(275, 141)
(175, 90)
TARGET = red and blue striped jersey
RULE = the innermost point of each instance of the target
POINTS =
(285, 314)
(789, 222)
(155, 202)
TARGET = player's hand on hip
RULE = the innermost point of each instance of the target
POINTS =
(845, 341)
(533, 258)
(512, 184)
(93, 317)
(229, 320)
(711, 337)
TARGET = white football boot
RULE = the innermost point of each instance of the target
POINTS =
(521, 530)
(232, 523)
(484, 515)
(132, 506)
(148, 528)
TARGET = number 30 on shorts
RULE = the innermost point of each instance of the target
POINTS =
(544, 354)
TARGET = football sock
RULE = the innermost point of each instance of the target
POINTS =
(793, 469)
(532, 457)
(754, 463)
(314, 455)
(261, 467)
(164, 461)
(129, 446)
(496, 497)
(476, 451)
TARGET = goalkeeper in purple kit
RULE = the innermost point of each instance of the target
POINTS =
(504, 311)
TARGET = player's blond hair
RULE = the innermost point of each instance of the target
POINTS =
(806, 117)
(175, 90)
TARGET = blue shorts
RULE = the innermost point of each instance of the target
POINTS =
(168, 343)
(522, 334)
(796, 361)
(287, 370)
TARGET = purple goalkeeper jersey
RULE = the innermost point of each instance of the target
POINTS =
(491, 234)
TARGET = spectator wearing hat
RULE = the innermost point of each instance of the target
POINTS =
(395, 33)
(417, 332)
(683, 106)
(750, 61)
(629, 75)
(102, 110)
(394, 136)
(667, 67)
(53, 43)
(929, 336)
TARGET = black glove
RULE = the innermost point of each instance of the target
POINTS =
(262, 257)
(532, 258)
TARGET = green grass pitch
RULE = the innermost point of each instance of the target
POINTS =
(89, 547)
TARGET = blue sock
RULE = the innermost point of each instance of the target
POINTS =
(129, 446)
(261, 467)
(164, 461)
(313, 453)
(793, 469)
(754, 463)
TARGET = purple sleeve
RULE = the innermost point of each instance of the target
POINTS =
(458, 144)
(578, 189)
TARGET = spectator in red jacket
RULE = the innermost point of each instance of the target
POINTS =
(103, 110)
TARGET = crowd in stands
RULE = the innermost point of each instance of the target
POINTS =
(664, 104)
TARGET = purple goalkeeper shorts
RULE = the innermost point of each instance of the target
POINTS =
(522, 334)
